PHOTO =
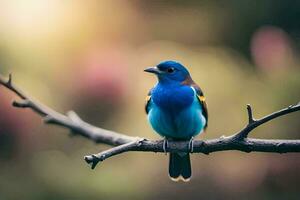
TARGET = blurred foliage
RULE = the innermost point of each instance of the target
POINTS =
(89, 56)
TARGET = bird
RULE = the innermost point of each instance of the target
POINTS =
(177, 111)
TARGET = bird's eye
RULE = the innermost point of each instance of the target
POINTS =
(170, 70)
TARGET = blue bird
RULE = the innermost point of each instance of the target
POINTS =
(176, 110)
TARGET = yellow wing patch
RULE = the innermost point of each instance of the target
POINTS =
(147, 98)
(203, 102)
(202, 98)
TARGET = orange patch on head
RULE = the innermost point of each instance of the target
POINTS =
(188, 81)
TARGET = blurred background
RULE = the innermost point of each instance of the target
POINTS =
(89, 56)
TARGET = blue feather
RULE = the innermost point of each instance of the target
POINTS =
(175, 112)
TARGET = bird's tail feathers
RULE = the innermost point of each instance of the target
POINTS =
(180, 167)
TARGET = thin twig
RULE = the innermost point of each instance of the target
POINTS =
(255, 123)
(124, 143)
(250, 114)
(94, 159)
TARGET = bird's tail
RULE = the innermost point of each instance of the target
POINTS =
(180, 167)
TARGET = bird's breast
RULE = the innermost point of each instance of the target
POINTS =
(175, 112)
(173, 99)
(183, 124)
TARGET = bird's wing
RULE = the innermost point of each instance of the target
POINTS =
(202, 101)
(147, 102)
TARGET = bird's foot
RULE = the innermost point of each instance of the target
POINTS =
(191, 145)
(165, 145)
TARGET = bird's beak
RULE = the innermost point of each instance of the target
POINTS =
(153, 70)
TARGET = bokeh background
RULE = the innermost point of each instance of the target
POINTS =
(89, 56)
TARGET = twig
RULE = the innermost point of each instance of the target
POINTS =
(124, 143)
(95, 158)
(255, 123)
(250, 114)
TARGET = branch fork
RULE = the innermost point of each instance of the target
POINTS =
(123, 143)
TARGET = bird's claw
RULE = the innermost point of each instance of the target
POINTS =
(165, 145)
(191, 145)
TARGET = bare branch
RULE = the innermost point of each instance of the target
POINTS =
(124, 143)
(70, 121)
(255, 123)
(206, 147)
(94, 159)
(9, 79)
(250, 115)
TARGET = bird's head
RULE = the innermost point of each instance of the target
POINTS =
(169, 71)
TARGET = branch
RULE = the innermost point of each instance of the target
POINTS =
(71, 120)
(124, 143)
(253, 123)
(95, 158)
